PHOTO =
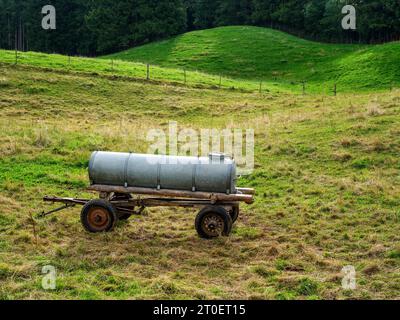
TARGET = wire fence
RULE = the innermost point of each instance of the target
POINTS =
(141, 71)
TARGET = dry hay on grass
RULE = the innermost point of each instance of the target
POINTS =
(316, 209)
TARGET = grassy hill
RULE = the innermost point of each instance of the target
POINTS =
(114, 68)
(239, 58)
(265, 54)
(326, 175)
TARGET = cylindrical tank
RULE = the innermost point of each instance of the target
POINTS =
(216, 173)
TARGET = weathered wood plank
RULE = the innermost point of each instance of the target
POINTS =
(247, 198)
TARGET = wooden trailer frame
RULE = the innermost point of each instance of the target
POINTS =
(219, 211)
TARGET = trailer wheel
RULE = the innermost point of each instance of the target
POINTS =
(212, 222)
(234, 213)
(98, 216)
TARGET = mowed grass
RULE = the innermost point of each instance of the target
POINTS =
(326, 175)
(244, 52)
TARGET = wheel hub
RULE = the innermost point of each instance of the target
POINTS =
(98, 218)
(213, 225)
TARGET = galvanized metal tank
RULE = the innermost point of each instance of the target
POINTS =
(216, 173)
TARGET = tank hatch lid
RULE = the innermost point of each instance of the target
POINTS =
(218, 157)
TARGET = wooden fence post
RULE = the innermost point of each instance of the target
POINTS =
(304, 87)
(220, 81)
(148, 72)
(335, 90)
(260, 87)
(184, 74)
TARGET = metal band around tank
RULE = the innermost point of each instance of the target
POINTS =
(158, 175)
(194, 172)
(126, 170)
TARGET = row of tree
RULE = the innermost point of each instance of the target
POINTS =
(377, 20)
(91, 27)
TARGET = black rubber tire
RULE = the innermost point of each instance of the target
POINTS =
(213, 210)
(104, 206)
(234, 214)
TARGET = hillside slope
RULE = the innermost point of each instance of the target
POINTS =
(259, 53)
(136, 71)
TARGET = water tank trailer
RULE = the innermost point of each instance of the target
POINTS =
(128, 183)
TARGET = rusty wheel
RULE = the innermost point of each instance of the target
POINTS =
(212, 222)
(213, 225)
(98, 216)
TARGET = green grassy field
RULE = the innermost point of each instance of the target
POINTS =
(114, 68)
(326, 169)
(258, 53)
(327, 181)
(240, 58)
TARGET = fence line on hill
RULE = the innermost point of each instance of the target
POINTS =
(302, 85)
(215, 81)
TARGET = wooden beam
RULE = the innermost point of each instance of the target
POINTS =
(214, 197)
